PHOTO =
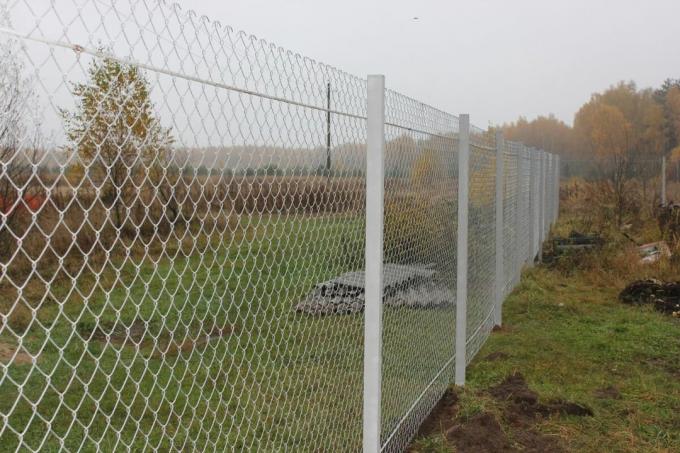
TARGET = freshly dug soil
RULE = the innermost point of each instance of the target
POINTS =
(665, 296)
(480, 434)
(442, 417)
(524, 403)
(483, 432)
(514, 389)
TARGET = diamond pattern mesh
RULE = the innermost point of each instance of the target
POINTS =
(183, 235)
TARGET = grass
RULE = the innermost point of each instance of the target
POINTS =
(570, 337)
(276, 380)
(251, 389)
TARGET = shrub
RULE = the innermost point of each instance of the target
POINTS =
(417, 228)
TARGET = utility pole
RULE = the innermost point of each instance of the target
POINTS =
(328, 129)
(663, 181)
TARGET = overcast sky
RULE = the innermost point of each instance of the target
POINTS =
(495, 59)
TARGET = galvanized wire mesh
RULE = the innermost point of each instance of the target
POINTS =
(525, 207)
(182, 238)
(164, 283)
(481, 240)
(420, 230)
(511, 216)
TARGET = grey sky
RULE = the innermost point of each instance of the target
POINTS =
(495, 59)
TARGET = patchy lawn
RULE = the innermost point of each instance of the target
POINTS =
(572, 369)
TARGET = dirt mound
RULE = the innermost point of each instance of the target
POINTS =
(521, 412)
(514, 388)
(524, 402)
(480, 434)
(665, 296)
(483, 433)
(443, 416)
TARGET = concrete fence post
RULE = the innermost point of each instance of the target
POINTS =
(535, 187)
(558, 175)
(375, 187)
(518, 216)
(541, 204)
(462, 247)
(500, 184)
(663, 180)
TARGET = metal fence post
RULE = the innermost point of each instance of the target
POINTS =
(663, 180)
(462, 249)
(375, 187)
(500, 277)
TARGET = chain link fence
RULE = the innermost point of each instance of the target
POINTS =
(183, 238)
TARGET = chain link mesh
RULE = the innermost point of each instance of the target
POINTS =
(481, 239)
(164, 286)
(511, 212)
(421, 168)
(182, 238)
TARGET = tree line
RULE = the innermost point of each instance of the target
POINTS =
(618, 136)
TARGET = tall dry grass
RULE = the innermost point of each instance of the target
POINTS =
(587, 207)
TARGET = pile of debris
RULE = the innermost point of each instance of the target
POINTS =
(410, 286)
(576, 241)
(665, 296)
(653, 252)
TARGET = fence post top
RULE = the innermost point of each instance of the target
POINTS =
(464, 121)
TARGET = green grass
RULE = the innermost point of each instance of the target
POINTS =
(279, 379)
(570, 337)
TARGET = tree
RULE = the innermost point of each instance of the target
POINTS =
(672, 118)
(545, 132)
(607, 133)
(667, 98)
(20, 151)
(114, 133)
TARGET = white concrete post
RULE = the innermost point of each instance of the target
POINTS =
(529, 212)
(462, 246)
(541, 204)
(375, 187)
(548, 191)
(558, 175)
(663, 180)
(532, 201)
(500, 183)
(518, 216)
